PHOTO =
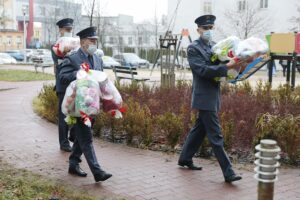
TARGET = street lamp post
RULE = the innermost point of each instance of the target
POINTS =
(24, 9)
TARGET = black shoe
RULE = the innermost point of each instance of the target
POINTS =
(71, 138)
(77, 171)
(190, 165)
(102, 176)
(66, 149)
(232, 178)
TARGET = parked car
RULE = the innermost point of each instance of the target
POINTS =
(131, 60)
(7, 59)
(109, 62)
(43, 55)
(180, 62)
(18, 55)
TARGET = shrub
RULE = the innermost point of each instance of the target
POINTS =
(284, 129)
(171, 127)
(137, 123)
(46, 104)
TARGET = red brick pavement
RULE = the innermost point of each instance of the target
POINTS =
(29, 142)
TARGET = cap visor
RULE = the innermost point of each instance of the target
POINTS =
(93, 37)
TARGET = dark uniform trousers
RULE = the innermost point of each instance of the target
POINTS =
(60, 92)
(207, 124)
(63, 127)
(84, 144)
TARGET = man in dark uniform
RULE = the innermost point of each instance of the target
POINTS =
(206, 99)
(83, 134)
(65, 29)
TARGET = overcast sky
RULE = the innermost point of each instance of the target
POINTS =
(139, 9)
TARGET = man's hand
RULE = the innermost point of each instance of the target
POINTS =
(237, 65)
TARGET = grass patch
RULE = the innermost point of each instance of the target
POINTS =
(21, 184)
(23, 75)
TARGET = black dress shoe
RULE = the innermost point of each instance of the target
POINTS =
(66, 149)
(232, 178)
(77, 171)
(190, 165)
(102, 176)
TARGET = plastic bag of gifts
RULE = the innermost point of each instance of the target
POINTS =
(110, 97)
(84, 94)
(81, 100)
(65, 45)
(223, 50)
(233, 48)
(250, 49)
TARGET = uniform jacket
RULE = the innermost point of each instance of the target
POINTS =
(67, 70)
(205, 90)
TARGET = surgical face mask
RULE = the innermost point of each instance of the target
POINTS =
(92, 48)
(67, 34)
(207, 35)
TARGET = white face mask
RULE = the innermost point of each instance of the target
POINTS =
(92, 48)
(67, 34)
(207, 35)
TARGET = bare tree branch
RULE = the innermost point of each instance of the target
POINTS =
(248, 22)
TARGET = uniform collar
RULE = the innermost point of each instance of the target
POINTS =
(84, 53)
(208, 44)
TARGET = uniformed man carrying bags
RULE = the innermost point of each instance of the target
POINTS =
(83, 135)
(206, 99)
(65, 29)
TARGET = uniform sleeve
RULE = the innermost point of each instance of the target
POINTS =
(67, 72)
(200, 67)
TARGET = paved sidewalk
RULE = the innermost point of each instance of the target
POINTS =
(27, 141)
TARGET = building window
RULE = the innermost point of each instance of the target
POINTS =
(140, 40)
(57, 11)
(43, 11)
(9, 41)
(130, 41)
(207, 7)
(111, 40)
(19, 40)
(120, 40)
(242, 5)
(263, 3)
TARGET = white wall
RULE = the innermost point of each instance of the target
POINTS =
(279, 12)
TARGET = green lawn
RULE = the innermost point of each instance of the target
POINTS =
(20, 184)
(23, 75)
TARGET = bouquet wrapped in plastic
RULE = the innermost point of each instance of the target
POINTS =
(223, 50)
(64, 45)
(111, 99)
(250, 49)
(81, 100)
(83, 96)
(232, 48)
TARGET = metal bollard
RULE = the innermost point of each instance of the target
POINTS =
(266, 168)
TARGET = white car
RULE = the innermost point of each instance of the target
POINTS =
(7, 59)
(131, 60)
(109, 62)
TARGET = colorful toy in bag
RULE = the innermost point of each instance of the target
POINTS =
(64, 45)
(109, 95)
(223, 50)
(81, 100)
(87, 99)
(250, 49)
